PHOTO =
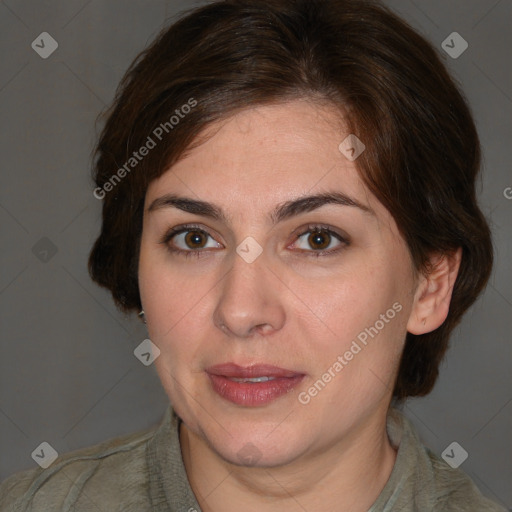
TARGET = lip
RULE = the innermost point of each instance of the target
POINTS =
(252, 394)
(255, 370)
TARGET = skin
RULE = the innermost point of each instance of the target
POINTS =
(286, 308)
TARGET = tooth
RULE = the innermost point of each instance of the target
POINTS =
(255, 379)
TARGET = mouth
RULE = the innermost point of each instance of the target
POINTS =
(252, 386)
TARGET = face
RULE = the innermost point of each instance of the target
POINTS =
(313, 294)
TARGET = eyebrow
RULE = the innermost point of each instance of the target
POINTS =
(281, 212)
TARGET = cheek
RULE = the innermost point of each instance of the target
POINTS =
(169, 296)
(361, 316)
(348, 301)
(176, 311)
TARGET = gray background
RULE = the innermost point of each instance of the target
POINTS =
(68, 375)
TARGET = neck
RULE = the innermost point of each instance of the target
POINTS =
(346, 476)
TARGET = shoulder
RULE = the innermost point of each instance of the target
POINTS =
(426, 481)
(455, 491)
(111, 472)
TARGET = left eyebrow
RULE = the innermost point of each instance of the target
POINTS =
(281, 212)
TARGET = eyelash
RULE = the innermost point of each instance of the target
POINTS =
(198, 252)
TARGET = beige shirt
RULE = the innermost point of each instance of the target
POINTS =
(145, 472)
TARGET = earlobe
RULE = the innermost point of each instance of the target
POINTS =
(434, 293)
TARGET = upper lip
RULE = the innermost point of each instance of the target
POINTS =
(256, 370)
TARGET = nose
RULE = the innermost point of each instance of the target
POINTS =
(250, 300)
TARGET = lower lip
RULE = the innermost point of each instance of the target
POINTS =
(253, 394)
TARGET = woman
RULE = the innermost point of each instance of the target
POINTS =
(289, 201)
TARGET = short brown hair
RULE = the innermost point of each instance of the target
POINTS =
(422, 152)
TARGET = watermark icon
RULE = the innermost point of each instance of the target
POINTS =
(454, 45)
(44, 45)
(152, 141)
(249, 249)
(351, 147)
(249, 454)
(454, 455)
(44, 249)
(146, 352)
(45, 455)
(508, 193)
(343, 360)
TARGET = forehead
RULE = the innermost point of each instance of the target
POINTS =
(267, 155)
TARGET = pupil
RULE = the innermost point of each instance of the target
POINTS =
(193, 238)
(317, 239)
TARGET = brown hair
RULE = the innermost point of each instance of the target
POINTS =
(422, 152)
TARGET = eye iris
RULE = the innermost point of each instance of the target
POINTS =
(192, 238)
(316, 239)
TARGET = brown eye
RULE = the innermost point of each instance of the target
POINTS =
(319, 240)
(189, 240)
(195, 239)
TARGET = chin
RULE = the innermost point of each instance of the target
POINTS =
(257, 455)
(250, 445)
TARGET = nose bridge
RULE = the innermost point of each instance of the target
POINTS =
(246, 299)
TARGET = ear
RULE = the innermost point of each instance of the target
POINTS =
(434, 292)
